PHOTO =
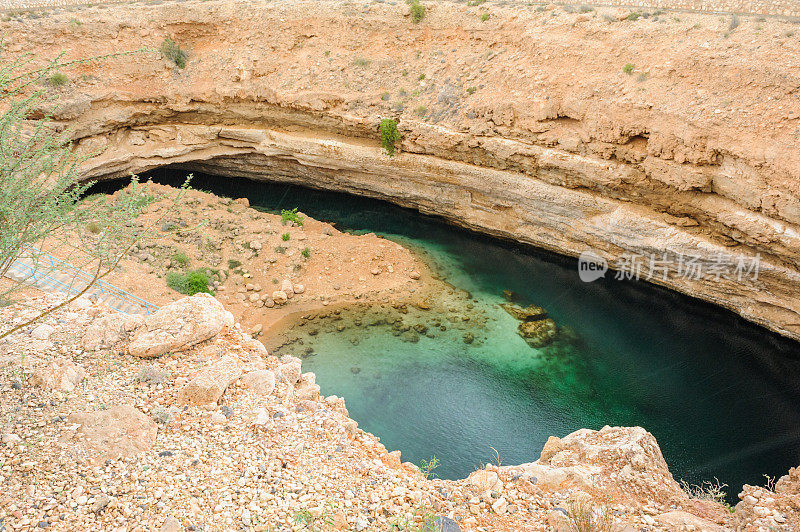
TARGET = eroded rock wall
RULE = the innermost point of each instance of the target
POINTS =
(525, 126)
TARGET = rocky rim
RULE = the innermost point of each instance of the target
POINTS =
(180, 420)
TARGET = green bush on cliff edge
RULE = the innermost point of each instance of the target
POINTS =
(389, 135)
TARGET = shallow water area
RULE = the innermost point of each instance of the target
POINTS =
(457, 382)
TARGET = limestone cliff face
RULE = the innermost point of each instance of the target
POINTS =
(523, 127)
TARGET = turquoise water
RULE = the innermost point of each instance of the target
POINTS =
(721, 395)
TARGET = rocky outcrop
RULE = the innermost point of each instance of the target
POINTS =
(625, 461)
(61, 374)
(119, 432)
(111, 331)
(180, 325)
(668, 163)
(209, 385)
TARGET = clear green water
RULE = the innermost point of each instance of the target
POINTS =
(722, 396)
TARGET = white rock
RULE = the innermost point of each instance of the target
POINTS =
(180, 325)
(288, 287)
(279, 297)
(43, 331)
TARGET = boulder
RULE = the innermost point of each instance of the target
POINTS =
(290, 369)
(43, 331)
(287, 287)
(279, 297)
(119, 432)
(180, 325)
(529, 313)
(623, 460)
(261, 381)
(209, 385)
(298, 288)
(307, 389)
(61, 374)
(538, 333)
(111, 331)
(484, 480)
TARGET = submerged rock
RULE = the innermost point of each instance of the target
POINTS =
(538, 333)
(529, 313)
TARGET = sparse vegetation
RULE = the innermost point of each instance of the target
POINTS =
(421, 111)
(420, 77)
(708, 490)
(233, 264)
(471, 90)
(428, 466)
(361, 62)
(173, 52)
(417, 11)
(484, 17)
(285, 237)
(42, 195)
(309, 521)
(633, 15)
(385, 96)
(389, 135)
(584, 516)
(291, 216)
(473, 3)
(191, 282)
(734, 23)
(628, 68)
(306, 252)
(180, 258)
(57, 79)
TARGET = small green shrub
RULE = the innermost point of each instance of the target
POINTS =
(180, 258)
(585, 9)
(173, 52)
(421, 111)
(471, 90)
(473, 3)
(279, 249)
(361, 62)
(427, 467)
(628, 68)
(417, 11)
(57, 79)
(420, 77)
(285, 236)
(306, 252)
(291, 216)
(233, 264)
(189, 283)
(389, 135)
(484, 17)
(634, 15)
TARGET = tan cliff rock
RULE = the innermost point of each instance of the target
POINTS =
(172, 446)
(693, 153)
